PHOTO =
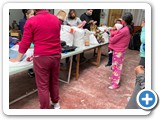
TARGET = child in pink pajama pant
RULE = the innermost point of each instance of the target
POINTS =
(118, 42)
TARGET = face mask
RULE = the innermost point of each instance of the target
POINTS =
(89, 14)
(72, 17)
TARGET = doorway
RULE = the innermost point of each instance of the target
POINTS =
(114, 14)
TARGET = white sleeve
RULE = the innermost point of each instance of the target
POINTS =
(78, 20)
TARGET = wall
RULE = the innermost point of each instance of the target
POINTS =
(80, 12)
(15, 14)
(138, 15)
(105, 19)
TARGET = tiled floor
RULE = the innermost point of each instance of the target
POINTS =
(89, 92)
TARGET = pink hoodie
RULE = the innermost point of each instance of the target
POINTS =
(119, 39)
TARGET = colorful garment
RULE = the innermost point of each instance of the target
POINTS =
(117, 63)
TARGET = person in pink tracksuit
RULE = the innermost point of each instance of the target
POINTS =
(118, 42)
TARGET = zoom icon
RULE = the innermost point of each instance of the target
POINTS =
(147, 99)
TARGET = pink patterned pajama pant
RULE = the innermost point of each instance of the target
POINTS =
(117, 62)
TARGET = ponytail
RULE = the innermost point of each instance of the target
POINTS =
(131, 27)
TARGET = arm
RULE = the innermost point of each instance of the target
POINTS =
(143, 35)
(82, 18)
(25, 43)
(113, 32)
(140, 76)
(115, 36)
(78, 21)
(18, 58)
(81, 24)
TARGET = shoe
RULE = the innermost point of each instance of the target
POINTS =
(31, 73)
(56, 105)
(110, 78)
(113, 86)
(108, 65)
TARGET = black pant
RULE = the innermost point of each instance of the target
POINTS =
(110, 54)
(142, 61)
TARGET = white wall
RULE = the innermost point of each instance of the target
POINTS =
(16, 14)
(80, 12)
(105, 19)
(138, 15)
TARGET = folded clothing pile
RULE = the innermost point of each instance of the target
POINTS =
(66, 48)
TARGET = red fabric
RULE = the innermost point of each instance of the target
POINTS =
(119, 39)
(29, 59)
(46, 70)
(44, 31)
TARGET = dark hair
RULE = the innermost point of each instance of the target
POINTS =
(118, 20)
(26, 11)
(69, 14)
(128, 17)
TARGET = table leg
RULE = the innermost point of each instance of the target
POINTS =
(70, 68)
(98, 56)
(98, 59)
(69, 72)
(77, 65)
(23, 96)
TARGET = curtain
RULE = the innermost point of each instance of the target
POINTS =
(138, 15)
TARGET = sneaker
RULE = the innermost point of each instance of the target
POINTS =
(113, 86)
(56, 105)
(108, 65)
(110, 78)
(31, 73)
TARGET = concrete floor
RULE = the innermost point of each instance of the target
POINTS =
(89, 92)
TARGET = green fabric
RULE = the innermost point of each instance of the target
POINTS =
(142, 51)
(32, 45)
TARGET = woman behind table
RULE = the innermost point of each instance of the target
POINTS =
(118, 42)
(44, 31)
(73, 20)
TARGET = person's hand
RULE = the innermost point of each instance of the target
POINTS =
(94, 22)
(114, 27)
(17, 59)
(139, 69)
(14, 60)
(91, 21)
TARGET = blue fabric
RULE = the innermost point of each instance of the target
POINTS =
(12, 41)
(144, 47)
(14, 54)
(142, 50)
